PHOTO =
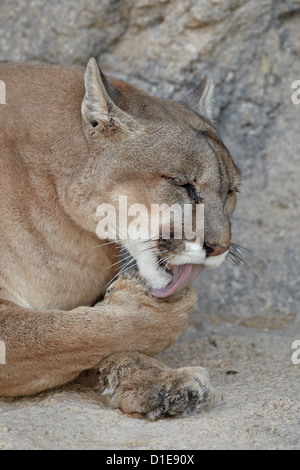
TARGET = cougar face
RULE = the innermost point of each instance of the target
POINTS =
(162, 152)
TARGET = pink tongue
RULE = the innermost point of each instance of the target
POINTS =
(183, 275)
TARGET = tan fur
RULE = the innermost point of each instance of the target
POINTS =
(69, 142)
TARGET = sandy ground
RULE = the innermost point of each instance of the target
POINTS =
(256, 402)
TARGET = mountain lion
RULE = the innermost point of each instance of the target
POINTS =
(71, 140)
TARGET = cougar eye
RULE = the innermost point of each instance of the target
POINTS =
(189, 188)
(192, 192)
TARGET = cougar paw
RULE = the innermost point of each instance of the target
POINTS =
(186, 394)
(154, 391)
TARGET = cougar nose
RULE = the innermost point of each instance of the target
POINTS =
(214, 250)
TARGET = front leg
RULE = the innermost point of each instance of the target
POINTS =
(140, 385)
(45, 349)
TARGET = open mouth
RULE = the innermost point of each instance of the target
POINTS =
(182, 276)
(165, 279)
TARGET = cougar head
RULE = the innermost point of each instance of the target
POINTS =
(149, 152)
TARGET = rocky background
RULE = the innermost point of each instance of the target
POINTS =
(247, 315)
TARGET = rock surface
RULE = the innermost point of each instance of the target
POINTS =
(247, 317)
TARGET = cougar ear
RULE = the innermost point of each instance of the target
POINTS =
(99, 105)
(200, 99)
